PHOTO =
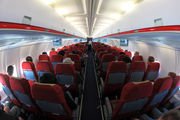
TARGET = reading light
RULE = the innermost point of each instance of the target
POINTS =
(69, 19)
(61, 11)
(48, 1)
(115, 16)
(128, 6)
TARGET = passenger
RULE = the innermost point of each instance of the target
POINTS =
(128, 61)
(89, 45)
(136, 53)
(79, 78)
(44, 53)
(29, 59)
(51, 79)
(10, 70)
(61, 52)
(52, 49)
(121, 53)
(150, 59)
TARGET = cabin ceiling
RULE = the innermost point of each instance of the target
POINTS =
(91, 16)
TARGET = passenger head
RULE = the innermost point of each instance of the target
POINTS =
(114, 50)
(48, 78)
(10, 70)
(68, 60)
(127, 59)
(136, 53)
(75, 52)
(172, 74)
(126, 50)
(65, 50)
(61, 52)
(150, 59)
(170, 115)
(44, 53)
(52, 49)
(29, 59)
(121, 53)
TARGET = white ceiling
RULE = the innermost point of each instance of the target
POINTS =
(91, 16)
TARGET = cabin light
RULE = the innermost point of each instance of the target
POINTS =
(109, 21)
(48, 1)
(115, 16)
(61, 11)
(69, 19)
(128, 6)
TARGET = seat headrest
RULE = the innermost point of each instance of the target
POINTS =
(43, 65)
(27, 65)
(64, 68)
(153, 66)
(137, 65)
(56, 58)
(4, 79)
(108, 57)
(136, 90)
(117, 66)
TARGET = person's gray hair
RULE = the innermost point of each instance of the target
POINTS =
(171, 115)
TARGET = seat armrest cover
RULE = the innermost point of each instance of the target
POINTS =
(75, 113)
(102, 85)
(109, 108)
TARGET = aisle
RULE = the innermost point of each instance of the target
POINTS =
(90, 104)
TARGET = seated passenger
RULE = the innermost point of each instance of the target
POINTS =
(44, 53)
(150, 59)
(79, 78)
(51, 79)
(136, 53)
(29, 59)
(52, 49)
(10, 70)
(128, 61)
(61, 52)
(121, 53)
(82, 61)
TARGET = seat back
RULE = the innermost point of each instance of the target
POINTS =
(53, 103)
(52, 53)
(109, 50)
(106, 59)
(133, 97)
(120, 57)
(44, 58)
(77, 61)
(137, 58)
(116, 74)
(128, 53)
(136, 72)
(21, 89)
(116, 54)
(152, 71)
(56, 59)
(66, 76)
(172, 91)
(4, 80)
(44, 67)
(100, 57)
(160, 89)
(29, 71)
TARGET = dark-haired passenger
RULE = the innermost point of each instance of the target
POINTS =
(10, 69)
(128, 61)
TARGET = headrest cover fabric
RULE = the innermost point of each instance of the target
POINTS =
(44, 65)
(56, 58)
(153, 66)
(118, 66)
(108, 57)
(64, 68)
(137, 65)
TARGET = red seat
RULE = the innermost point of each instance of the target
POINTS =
(133, 97)
(116, 54)
(4, 80)
(116, 74)
(136, 72)
(66, 77)
(29, 71)
(44, 67)
(109, 50)
(128, 53)
(21, 89)
(97, 53)
(106, 59)
(120, 57)
(53, 103)
(56, 59)
(52, 53)
(77, 61)
(172, 91)
(152, 71)
(100, 56)
(137, 58)
(160, 89)
(44, 58)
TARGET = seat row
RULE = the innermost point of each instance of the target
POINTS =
(140, 97)
(38, 98)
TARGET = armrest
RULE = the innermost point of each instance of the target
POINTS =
(70, 95)
(102, 85)
(109, 108)
(75, 113)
